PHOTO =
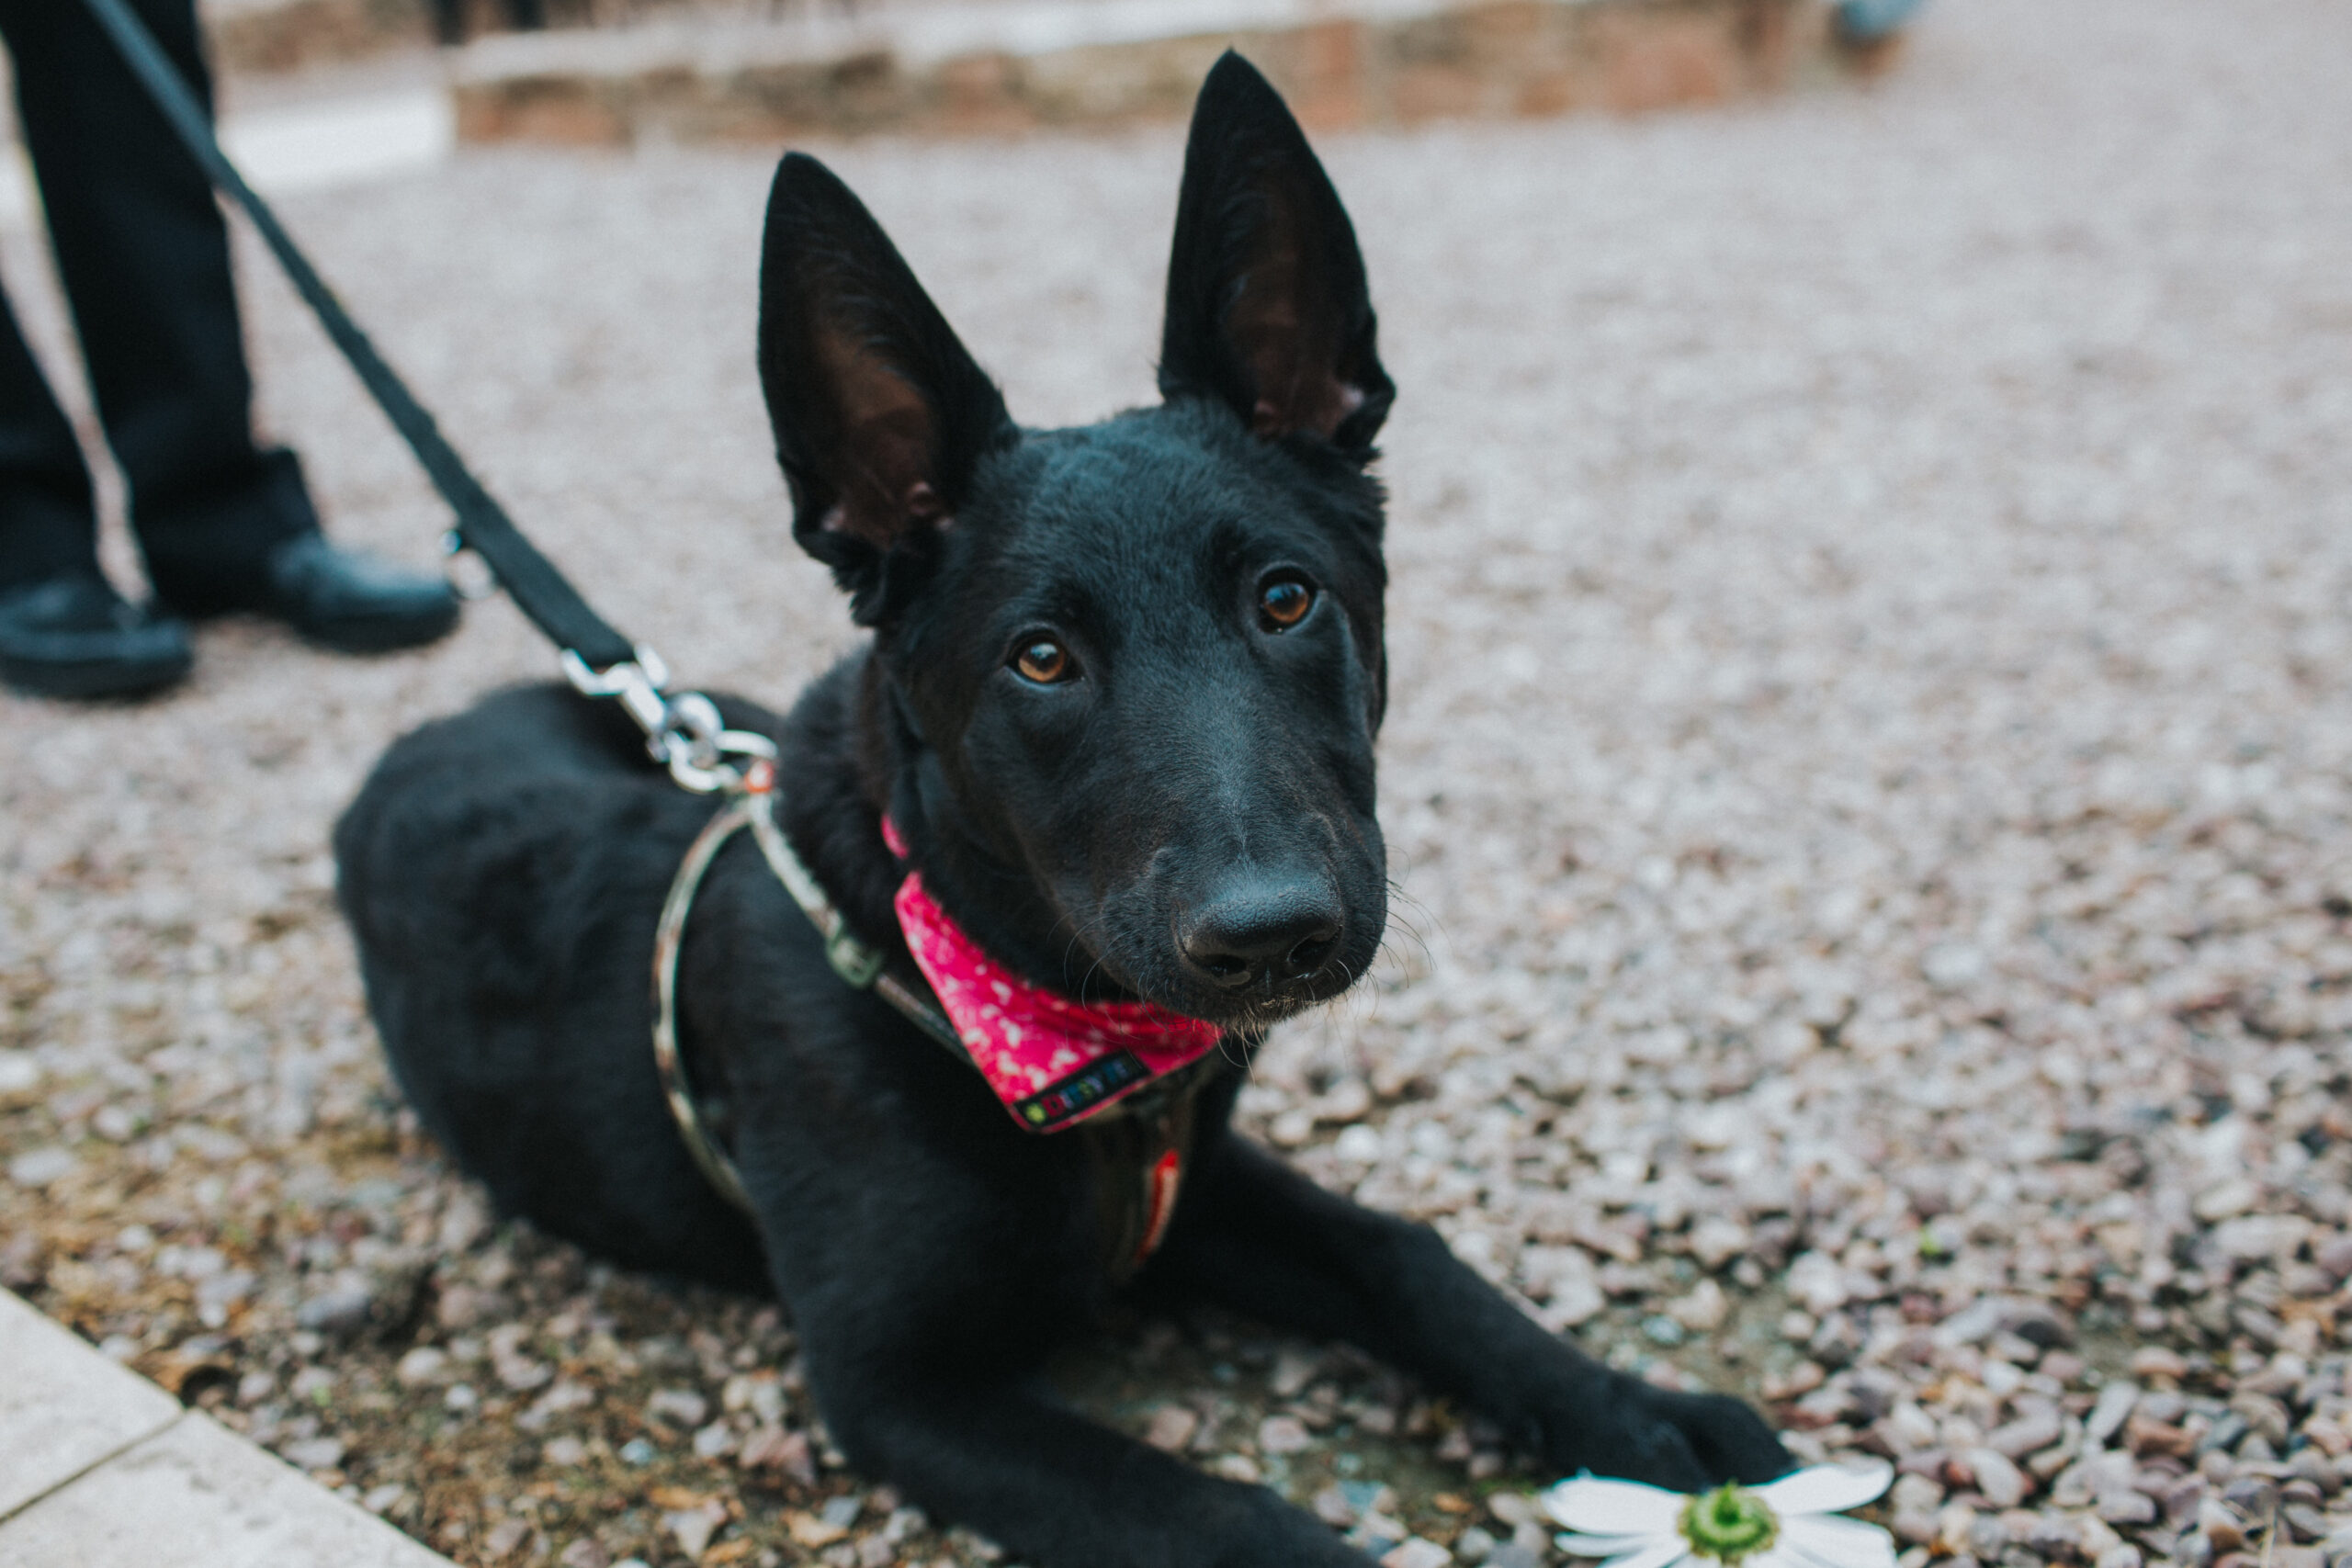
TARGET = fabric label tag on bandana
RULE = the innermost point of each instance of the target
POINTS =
(1054, 1062)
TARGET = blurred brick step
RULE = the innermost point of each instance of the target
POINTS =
(993, 69)
(250, 35)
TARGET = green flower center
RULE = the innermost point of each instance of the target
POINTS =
(1728, 1524)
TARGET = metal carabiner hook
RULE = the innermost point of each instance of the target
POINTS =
(684, 733)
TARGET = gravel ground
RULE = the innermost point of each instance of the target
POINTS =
(1868, 776)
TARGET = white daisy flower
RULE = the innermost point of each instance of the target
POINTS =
(1788, 1523)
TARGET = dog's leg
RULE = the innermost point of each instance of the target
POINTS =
(1057, 1489)
(1261, 1238)
(931, 1278)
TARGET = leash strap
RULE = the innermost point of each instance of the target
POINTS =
(538, 589)
(683, 732)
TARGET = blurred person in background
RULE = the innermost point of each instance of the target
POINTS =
(223, 523)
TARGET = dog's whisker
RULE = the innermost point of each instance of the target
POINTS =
(1398, 896)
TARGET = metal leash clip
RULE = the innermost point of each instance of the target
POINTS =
(684, 733)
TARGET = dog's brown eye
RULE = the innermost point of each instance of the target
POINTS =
(1284, 603)
(1045, 661)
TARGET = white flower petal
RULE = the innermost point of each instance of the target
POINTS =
(1655, 1554)
(1616, 1507)
(1826, 1488)
(1824, 1540)
(1600, 1545)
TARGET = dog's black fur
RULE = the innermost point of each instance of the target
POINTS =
(1184, 816)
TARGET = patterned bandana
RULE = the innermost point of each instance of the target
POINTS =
(1054, 1062)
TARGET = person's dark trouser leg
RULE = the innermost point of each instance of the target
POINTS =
(144, 251)
(63, 630)
(145, 254)
(47, 527)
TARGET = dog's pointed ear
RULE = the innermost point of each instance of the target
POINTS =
(1268, 310)
(880, 415)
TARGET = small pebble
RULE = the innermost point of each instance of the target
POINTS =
(2002, 1484)
(679, 1408)
(1414, 1552)
(771, 1448)
(1282, 1434)
(1171, 1427)
(314, 1453)
(693, 1527)
(40, 1167)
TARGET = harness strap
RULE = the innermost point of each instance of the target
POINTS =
(853, 961)
(1138, 1163)
(856, 961)
(668, 936)
(1136, 1149)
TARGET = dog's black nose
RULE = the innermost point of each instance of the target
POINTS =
(1281, 931)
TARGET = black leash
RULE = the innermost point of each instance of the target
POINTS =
(684, 731)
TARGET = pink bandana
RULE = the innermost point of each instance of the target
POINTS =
(1054, 1062)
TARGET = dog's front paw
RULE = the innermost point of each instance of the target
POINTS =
(1686, 1441)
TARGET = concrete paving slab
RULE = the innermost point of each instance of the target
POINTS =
(200, 1496)
(64, 1407)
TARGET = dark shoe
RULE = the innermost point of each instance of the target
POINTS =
(248, 539)
(350, 601)
(208, 539)
(74, 636)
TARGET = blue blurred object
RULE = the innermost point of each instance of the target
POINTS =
(1867, 21)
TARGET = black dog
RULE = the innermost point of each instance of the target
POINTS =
(1119, 704)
